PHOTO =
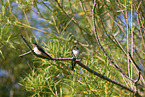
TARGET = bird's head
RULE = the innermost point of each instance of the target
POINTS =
(34, 44)
(75, 47)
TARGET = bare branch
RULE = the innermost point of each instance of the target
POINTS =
(35, 3)
(134, 62)
(65, 59)
(104, 77)
(25, 54)
(138, 77)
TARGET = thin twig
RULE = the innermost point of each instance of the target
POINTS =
(29, 66)
(35, 3)
(25, 54)
(131, 42)
(138, 6)
(138, 77)
(117, 24)
(127, 25)
(134, 62)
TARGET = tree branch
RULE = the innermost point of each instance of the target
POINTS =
(25, 53)
(104, 77)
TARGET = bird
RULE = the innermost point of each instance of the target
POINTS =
(40, 52)
(75, 53)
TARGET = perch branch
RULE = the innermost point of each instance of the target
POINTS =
(104, 77)
(25, 54)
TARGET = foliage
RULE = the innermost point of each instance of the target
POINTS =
(59, 24)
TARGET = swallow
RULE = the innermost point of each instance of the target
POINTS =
(40, 52)
(75, 53)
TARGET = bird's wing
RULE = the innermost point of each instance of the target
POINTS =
(44, 53)
(40, 49)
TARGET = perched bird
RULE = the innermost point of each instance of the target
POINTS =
(75, 53)
(40, 52)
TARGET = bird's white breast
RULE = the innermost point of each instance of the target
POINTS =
(36, 51)
(76, 52)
